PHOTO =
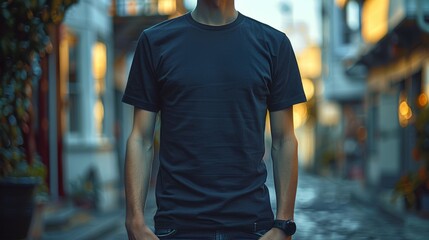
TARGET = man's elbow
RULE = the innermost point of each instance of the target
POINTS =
(285, 141)
(141, 140)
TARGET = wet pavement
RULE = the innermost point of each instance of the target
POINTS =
(325, 209)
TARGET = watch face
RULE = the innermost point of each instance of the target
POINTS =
(288, 227)
(291, 228)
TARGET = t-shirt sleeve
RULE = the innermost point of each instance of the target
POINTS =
(142, 89)
(286, 85)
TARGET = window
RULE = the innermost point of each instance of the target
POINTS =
(350, 21)
(99, 65)
(145, 7)
(69, 74)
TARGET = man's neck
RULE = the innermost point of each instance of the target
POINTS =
(215, 12)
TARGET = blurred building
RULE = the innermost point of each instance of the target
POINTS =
(84, 143)
(384, 45)
(81, 123)
(308, 54)
(395, 55)
(339, 147)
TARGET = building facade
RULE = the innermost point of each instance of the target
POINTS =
(395, 56)
(86, 102)
(340, 108)
(391, 56)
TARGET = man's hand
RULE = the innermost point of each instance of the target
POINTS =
(137, 230)
(275, 234)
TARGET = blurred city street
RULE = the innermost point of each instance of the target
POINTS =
(363, 133)
(327, 209)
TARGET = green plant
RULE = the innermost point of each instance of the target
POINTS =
(84, 191)
(410, 187)
(23, 40)
(414, 183)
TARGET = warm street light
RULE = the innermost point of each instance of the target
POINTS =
(404, 111)
(99, 60)
(375, 24)
(99, 66)
(308, 88)
(422, 100)
(310, 62)
(300, 114)
(166, 7)
(99, 116)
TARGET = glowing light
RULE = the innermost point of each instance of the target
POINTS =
(405, 110)
(329, 113)
(99, 60)
(99, 116)
(310, 62)
(375, 15)
(341, 3)
(308, 88)
(166, 7)
(422, 100)
(405, 113)
(300, 114)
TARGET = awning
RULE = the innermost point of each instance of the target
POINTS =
(405, 34)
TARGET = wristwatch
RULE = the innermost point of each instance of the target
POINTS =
(288, 226)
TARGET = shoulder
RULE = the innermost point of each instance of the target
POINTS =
(169, 24)
(270, 35)
(166, 28)
(264, 29)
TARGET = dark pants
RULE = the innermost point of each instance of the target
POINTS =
(173, 234)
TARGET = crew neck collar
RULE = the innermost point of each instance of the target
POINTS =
(230, 25)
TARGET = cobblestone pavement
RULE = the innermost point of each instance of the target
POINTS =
(325, 210)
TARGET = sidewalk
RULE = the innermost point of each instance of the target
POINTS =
(326, 208)
(70, 223)
(414, 226)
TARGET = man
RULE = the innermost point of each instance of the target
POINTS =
(213, 74)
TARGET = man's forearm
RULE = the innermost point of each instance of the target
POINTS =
(138, 166)
(285, 168)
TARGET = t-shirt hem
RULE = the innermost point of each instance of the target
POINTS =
(139, 104)
(165, 224)
(285, 104)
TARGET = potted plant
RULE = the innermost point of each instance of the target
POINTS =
(23, 39)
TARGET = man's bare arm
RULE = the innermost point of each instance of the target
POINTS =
(138, 166)
(284, 153)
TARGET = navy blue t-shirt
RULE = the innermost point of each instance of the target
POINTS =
(213, 86)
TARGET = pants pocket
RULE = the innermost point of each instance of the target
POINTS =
(261, 233)
(161, 233)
